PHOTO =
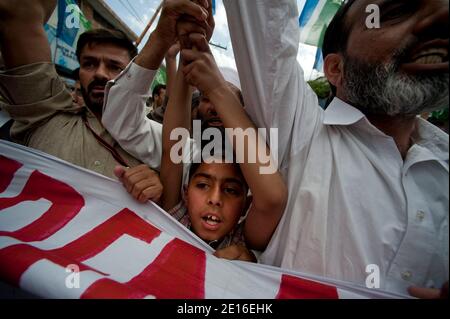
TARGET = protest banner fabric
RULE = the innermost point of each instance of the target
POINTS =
(66, 232)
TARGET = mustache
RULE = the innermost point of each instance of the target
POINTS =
(401, 54)
(95, 83)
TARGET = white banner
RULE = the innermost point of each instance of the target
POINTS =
(66, 232)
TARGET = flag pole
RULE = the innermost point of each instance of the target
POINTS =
(139, 40)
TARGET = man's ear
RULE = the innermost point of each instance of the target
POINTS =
(334, 69)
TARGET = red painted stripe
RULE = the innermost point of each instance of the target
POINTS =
(109, 289)
(297, 288)
(177, 273)
(18, 258)
(93, 242)
(66, 204)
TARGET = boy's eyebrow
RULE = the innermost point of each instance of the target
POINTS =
(227, 180)
(234, 180)
(202, 175)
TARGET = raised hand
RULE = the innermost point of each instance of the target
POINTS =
(174, 10)
(165, 34)
(187, 25)
(199, 67)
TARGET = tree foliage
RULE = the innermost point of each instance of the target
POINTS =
(321, 87)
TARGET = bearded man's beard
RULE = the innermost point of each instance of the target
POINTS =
(94, 101)
(381, 89)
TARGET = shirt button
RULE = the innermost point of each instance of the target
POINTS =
(420, 215)
(406, 275)
(97, 163)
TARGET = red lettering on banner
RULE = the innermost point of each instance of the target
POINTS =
(17, 259)
(7, 171)
(296, 288)
(125, 222)
(177, 273)
(66, 203)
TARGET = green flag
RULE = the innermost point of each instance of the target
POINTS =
(160, 78)
(315, 18)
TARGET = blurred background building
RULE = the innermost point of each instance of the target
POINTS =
(69, 20)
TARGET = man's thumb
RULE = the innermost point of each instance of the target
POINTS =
(119, 171)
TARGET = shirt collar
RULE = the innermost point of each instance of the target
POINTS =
(432, 138)
(426, 134)
(341, 113)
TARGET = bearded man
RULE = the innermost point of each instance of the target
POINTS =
(367, 178)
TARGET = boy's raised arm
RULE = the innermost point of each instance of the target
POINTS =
(124, 107)
(176, 117)
(267, 187)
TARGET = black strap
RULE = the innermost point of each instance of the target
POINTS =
(105, 144)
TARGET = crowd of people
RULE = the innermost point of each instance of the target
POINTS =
(363, 182)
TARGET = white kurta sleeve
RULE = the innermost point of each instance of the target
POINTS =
(124, 115)
(265, 38)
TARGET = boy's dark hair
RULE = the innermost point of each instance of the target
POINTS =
(157, 89)
(336, 35)
(100, 36)
(195, 166)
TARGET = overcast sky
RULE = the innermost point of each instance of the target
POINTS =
(137, 13)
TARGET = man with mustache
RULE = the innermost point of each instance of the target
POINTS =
(367, 178)
(36, 98)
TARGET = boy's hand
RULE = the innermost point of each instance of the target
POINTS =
(200, 69)
(173, 51)
(141, 182)
(236, 252)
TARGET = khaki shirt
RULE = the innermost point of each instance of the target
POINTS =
(46, 119)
